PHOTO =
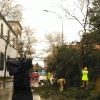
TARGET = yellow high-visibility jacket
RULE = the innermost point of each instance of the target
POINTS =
(48, 75)
(85, 75)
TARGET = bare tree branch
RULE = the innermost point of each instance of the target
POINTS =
(10, 10)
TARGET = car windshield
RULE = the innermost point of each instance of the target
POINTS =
(43, 74)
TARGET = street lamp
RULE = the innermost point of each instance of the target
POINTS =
(61, 21)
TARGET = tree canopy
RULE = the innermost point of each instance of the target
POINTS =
(70, 59)
(11, 10)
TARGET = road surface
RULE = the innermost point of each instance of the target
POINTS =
(6, 93)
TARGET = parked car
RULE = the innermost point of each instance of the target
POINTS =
(34, 75)
(42, 78)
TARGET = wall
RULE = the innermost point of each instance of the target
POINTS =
(11, 49)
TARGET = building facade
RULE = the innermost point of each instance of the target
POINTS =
(10, 36)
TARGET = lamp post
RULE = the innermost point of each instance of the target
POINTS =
(61, 21)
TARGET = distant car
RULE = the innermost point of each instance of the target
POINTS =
(34, 75)
(42, 78)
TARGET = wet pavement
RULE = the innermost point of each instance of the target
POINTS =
(34, 82)
(6, 93)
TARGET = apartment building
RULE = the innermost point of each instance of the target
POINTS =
(10, 36)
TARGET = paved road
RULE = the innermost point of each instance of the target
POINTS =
(6, 93)
(34, 82)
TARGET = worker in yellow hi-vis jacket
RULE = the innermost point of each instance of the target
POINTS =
(84, 77)
(61, 83)
(48, 77)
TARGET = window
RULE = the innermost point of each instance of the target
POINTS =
(1, 30)
(1, 61)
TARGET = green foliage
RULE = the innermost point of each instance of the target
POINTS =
(94, 97)
(81, 94)
(46, 90)
(94, 16)
(95, 91)
(69, 61)
(98, 86)
(69, 93)
(66, 64)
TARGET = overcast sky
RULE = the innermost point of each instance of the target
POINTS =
(43, 22)
(46, 22)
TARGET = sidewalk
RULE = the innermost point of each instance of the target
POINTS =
(7, 79)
